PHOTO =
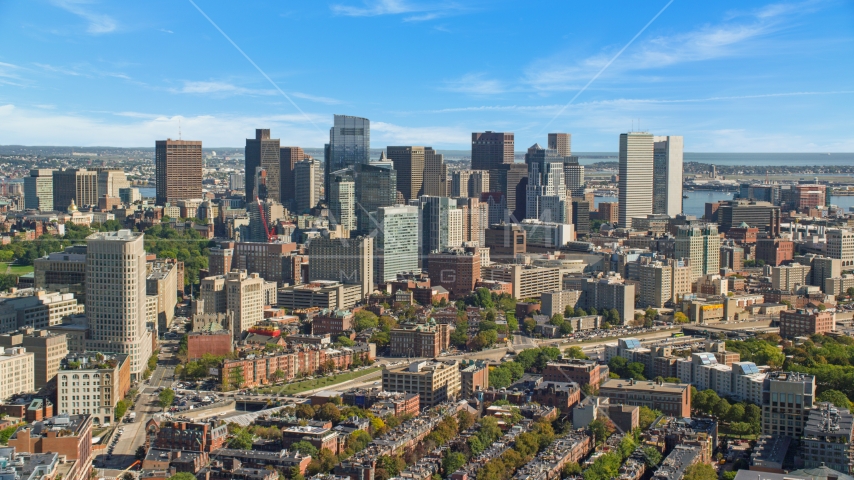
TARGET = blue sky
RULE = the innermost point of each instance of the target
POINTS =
(728, 76)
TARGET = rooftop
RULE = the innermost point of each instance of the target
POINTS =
(629, 384)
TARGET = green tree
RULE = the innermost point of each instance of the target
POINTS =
(835, 397)
(557, 319)
(850, 291)
(364, 319)
(241, 439)
(166, 397)
(328, 412)
(735, 413)
(452, 462)
(651, 456)
(575, 352)
(569, 312)
(647, 416)
(345, 341)
(680, 317)
(182, 476)
(700, 471)
(599, 430)
(305, 448)
(530, 324)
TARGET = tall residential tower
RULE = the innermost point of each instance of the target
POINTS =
(178, 170)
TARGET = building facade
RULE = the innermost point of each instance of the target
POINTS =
(178, 170)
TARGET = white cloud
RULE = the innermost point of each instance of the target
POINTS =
(383, 133)
(38, 127)
(737, 35)
(315, 98)
(219, 89)
(419, 12)
(166, 31)
(98, 23)
(475, 84)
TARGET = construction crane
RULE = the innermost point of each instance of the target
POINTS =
(270, 236)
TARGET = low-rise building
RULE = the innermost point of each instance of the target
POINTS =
(321, 294)
(420, 340)
(474, 377)
(670, 398)
(827, 438)
(219, 343)
(67, 435)
(435, 381)
(319, 437)
(17, 371)
(583, 372)
(92, 383)
(805, 322)
(332, 322)
(187, 435)
(787, 398)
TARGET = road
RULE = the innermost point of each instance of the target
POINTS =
(145, 406)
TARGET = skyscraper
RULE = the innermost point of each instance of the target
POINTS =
(702, 246)
(342, 200)
(288, 158)
(478, 183)
(307, 177)
(573, 177)
(376, 186)
(263, 151)
(435, 174)
(546, 192)
(178, 165)
(110, 180)
(78, 185)
(115, 296)
(512, 181)
(441, 224)
(344, 260)
(562, 142)
(409, 163)
(460, 183)
(396, 243)
(667, 175)
(349, 144)
(490, 150)
(635, 186)
(38, 190)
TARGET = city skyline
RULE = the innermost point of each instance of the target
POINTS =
(729, 78)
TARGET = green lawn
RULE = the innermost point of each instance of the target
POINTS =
(297, 387)
(15, 269)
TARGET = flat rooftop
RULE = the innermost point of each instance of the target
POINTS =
(644, 385)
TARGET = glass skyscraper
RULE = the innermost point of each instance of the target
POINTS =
(396, 243)
(349, 144)
(376, 186)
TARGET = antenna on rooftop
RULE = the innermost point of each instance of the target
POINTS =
(179, 129)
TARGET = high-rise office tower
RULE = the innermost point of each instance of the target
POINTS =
(460, 183)
(478, 183)
(512, 181)
(75, 184)
(259, 225)
(581, 215)
(307, 176)
(349, 144)
(490, 150)
(288, 158)
(342, 200)
(701, 246)
(38, 190)
(409, 163)
(245, 300)
(110, 181)
(562, 142)
(546, 192)
(475, 217)
(263, 151)
(435, 174)
(396, 243)
(115, 296)
(345, 260)
(667, 175)
(635, 186)
(573, 177)
(376, 186)
(178, 165)
(441, 224)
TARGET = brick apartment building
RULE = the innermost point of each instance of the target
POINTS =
(332, 322)
(420, 340)
(805, 322)
(68, 435)
(192, 436)
(216, 343)
(774, 251)
(583, 372)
